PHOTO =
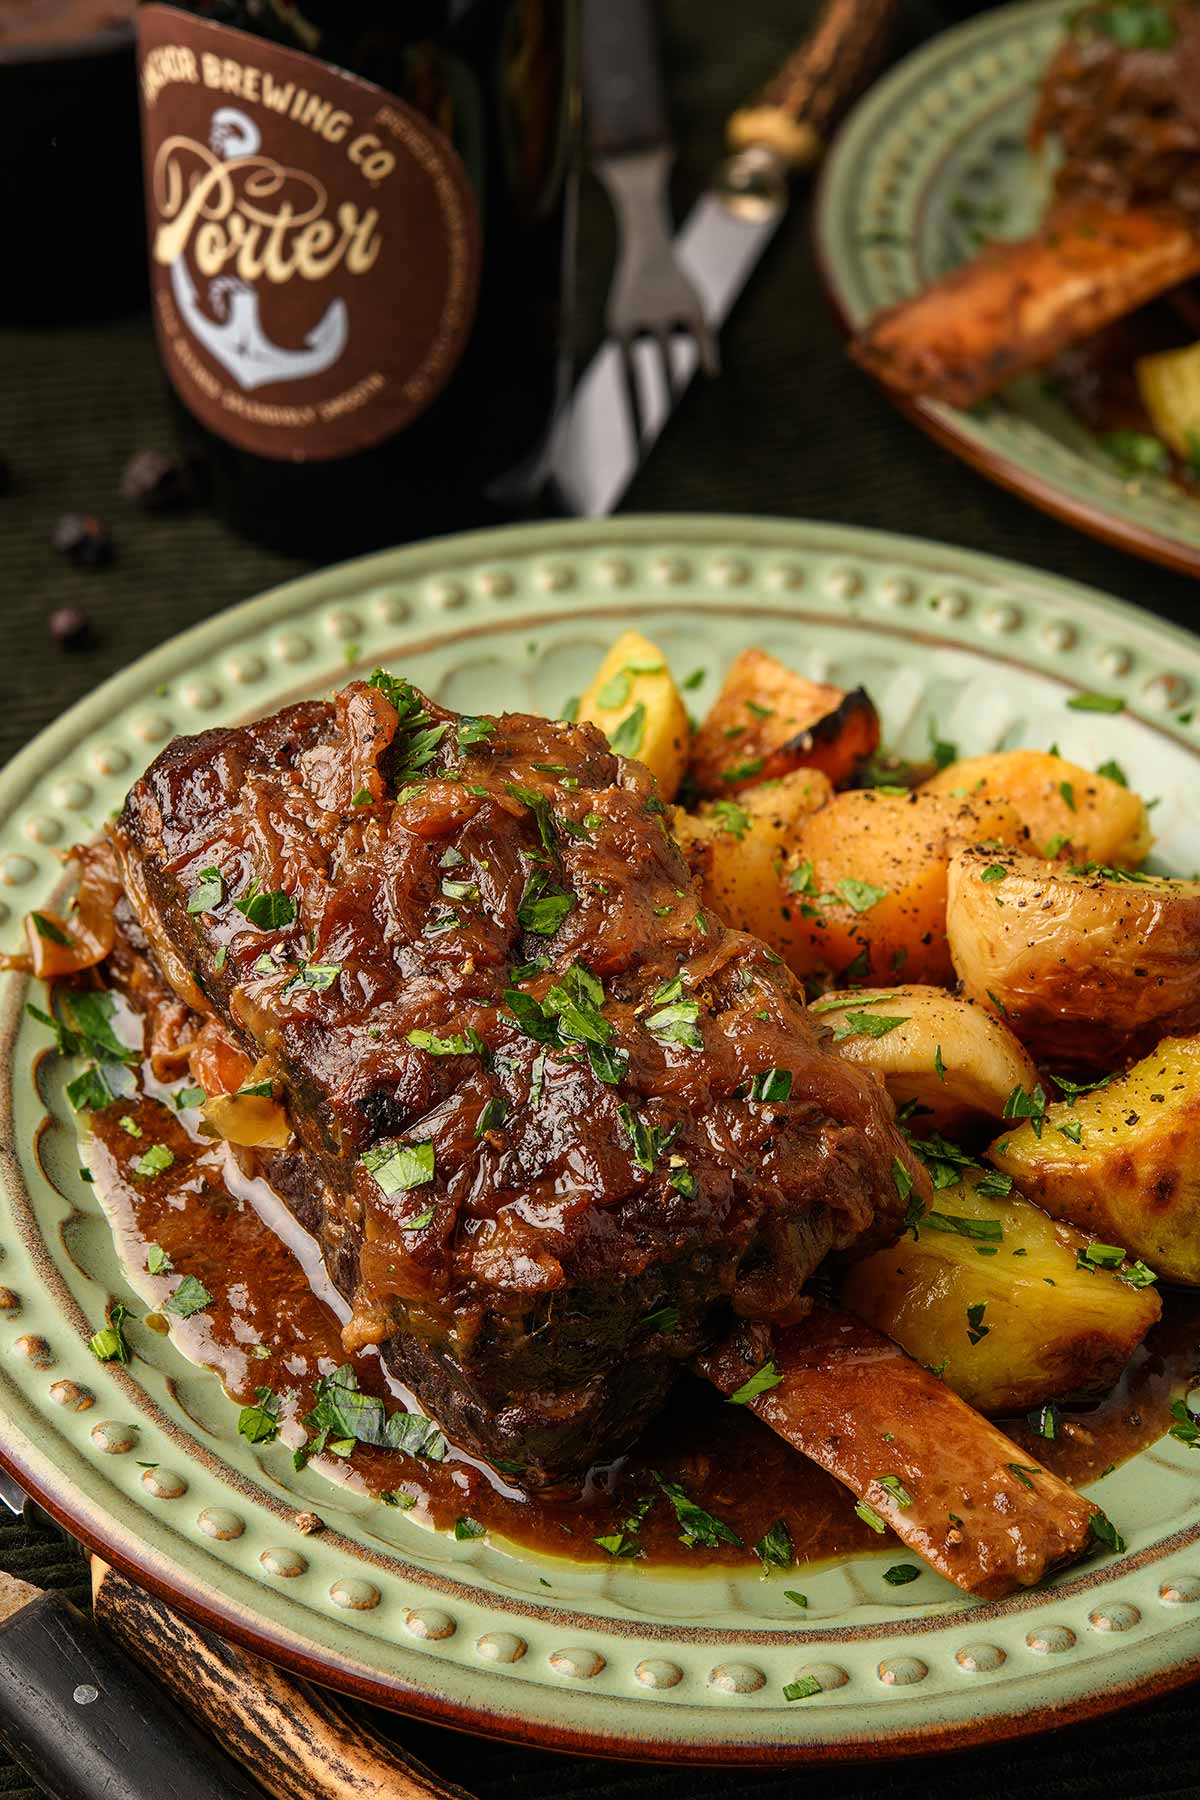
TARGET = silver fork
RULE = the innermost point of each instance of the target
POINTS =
(652, 303)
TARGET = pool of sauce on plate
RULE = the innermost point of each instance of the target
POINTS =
(269, 1325)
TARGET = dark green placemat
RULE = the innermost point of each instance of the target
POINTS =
(789, 428)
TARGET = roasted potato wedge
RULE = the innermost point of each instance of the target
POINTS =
(865, 887)
(1169, 384)
(1009, 1330)
(736, 846)
(1085, 966)
(767, 720)
(1064, 806)
(950, 1055)
(1133, 1178)
(634, 701)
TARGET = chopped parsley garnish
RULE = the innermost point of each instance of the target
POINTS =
(943, 753)
(699, 1529)
(774, 1548)
(260, 1422)
(1096, 703)
(1141, 25)
(257, 1090)
(744, 771)
(1137, 1275)
(438, 1046)
(154, 1161)
(1100, 1256)
(615, 691)
(89, 1026)
(994, 872)
(539, 806)
(860, 895)
(416, 741)
(665, 1319)
(761, 1382)
(364, 797)
(341, 1412)
(677, 1024)
(46, 928)
(471, 731)
(318, 976)
(1045, 1421)
(456, 887)
(493, 1115)
(682, 1180)
(1072, 1130)
(398, 1167)
(1023, 1471)
(995, 1185)
(986, 1231)
(157, 1260)
(466, 1528)
(208, 892)
(89, 1091)
(1106, 1533)
(976, 1329)
(1067, 791)
(771, 1085)
(191, 1296)
(870, 1517)
(420, 1222)
(542, 911)
(1073, 1089)
(693, 680)
(270, 912)
(108, 1344)
(865, 1024)
(531, 1016)
(803, 1689)
(892, 1484)
(647, 1142)
(1113, 772)
(189, 1096)
(1185, 1430)
(628, 737)
(733, 818)
(1020, 1105)
(900, 1574)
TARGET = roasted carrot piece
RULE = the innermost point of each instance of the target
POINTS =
(767, 721)
(952, 1486)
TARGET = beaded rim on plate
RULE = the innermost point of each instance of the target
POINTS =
(621, 1661)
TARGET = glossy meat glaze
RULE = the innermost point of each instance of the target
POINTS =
(539, 1096)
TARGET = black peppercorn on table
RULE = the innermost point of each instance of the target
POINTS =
(790, 427)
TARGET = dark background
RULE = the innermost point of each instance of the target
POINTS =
(789, 428)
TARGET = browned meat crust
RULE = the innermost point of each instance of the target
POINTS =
(953, 1487)
(589, 1162)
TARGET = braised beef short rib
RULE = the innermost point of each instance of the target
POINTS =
(555, 1123)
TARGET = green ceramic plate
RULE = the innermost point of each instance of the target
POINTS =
(933, 158)
(618, 1659)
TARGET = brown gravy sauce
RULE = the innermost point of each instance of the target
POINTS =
(273, 1322)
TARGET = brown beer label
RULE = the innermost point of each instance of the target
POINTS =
(314, 242)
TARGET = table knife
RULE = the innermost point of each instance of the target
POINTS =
(780, 132)
(119, 1706)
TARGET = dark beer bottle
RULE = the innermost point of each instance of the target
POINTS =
(359, 217)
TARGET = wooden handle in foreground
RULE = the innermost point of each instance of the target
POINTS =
(296, 1740)
(795, 112)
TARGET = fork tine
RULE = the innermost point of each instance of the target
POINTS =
(706, 345)
(664, 337)
(633, 395)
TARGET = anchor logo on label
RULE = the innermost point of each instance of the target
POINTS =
(236, 337)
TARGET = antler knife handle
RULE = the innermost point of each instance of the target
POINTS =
(796, 111)
(298, 1742)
